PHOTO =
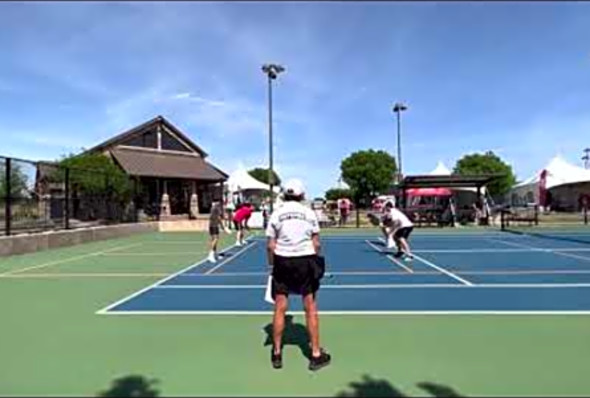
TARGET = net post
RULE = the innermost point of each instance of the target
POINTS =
(67, 199)
(503, 219)
(8, 199)
(358, 219)
(135, 199)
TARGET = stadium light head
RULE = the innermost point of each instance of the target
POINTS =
(272, 70)
(399, 107)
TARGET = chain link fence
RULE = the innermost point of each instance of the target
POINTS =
(43, 196)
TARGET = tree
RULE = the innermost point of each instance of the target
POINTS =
(368, 173)
(18, 180)
(261, 174)
(337, 193)
(487, 163)
(95, 175)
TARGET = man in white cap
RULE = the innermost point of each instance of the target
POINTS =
(293, 253)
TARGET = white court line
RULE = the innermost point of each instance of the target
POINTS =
(148, 254)
(221, 264)
(444, 271)
(507, 272)
(389, 256)
(350, 313)
(488, 250)
(362, 286)
(571, 255)
(440, 269)
(67, 260)
(400, 286)
(337, 273)
(539, 249)
(156, 283)
(84, 275)
(519, 245)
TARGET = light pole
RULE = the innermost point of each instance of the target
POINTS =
(398, 108)
(272, 71)
(586, 158)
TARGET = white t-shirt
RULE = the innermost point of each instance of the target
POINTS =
(397, 218)
(292, 225)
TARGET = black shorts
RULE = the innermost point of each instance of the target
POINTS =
(295, 275)
(214, 230)
(403, 232)
(239, 226)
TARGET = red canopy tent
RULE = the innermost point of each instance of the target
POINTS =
(428, 192)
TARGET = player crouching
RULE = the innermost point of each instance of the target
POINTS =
(397, 227)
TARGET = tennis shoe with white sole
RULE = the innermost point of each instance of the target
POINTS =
(316, 363)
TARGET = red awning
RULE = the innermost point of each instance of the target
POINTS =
(428, 192)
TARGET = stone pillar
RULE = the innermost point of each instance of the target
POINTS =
(43, 207)
(165, 202)
(194, 200)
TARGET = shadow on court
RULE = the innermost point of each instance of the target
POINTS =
(132, 386)
(370, 387)
(295, 334)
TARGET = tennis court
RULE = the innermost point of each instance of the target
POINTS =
(474, 307)
(452, 273)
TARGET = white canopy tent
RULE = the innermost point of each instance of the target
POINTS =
(242, 184)
(565, 181)
(442, 170)
(241, 180)
(559, 172)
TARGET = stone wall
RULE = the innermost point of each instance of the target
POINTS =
(28, 243)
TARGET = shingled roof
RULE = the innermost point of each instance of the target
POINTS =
(138, 162)
(147, 126)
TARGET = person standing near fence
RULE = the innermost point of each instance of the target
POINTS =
(293, 255)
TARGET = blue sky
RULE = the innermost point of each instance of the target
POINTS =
(513, 78)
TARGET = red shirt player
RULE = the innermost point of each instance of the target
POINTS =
(241, 217)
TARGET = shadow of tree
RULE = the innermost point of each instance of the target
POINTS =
(439, 390)
(131, 386)
(371, 387)
(294, 334)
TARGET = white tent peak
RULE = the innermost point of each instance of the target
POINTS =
(342, 185)
(440, 170)
(240, 179)
(559, 172)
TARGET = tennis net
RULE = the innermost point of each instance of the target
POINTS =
(573, 227)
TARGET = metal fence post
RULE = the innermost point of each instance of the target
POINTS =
(8, 209)
(67, 199)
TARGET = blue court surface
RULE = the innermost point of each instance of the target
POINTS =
(489, 273)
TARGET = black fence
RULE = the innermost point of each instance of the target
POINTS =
(42, 196)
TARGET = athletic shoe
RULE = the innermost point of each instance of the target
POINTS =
(390, 244)
(316, 363)
(408, 258)
(398, 254)
(211, 257)
(276, 359)
(238, 243)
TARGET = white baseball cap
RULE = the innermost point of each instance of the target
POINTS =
(294, 187)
